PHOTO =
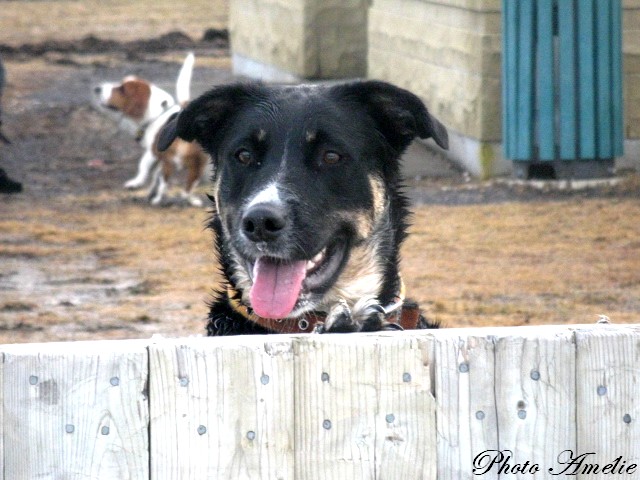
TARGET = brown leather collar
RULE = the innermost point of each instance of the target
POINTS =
(402, 313)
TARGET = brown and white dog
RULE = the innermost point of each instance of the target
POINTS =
(149, 108)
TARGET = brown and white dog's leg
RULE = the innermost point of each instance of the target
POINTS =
(145, 165)
(195, 169)
(158, 186)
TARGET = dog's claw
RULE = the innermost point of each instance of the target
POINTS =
(340, 320)
(392, 327)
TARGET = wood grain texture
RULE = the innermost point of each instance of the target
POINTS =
(364, 409)
(536, 401)
(608, 386)
(368, 406)
(465, 398)
(76, 411)
(335, 404)
(222, 409)
(406, 414)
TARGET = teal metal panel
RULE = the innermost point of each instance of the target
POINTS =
(509, 78)
(524, 147)
(586, 80)
(544, 76)
(603, 62)
(567, 80)
(562, 80)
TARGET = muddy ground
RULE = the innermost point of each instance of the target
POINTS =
(81, 258)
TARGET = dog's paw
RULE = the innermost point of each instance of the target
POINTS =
(133, 184)
(193, 200)
(339, 320)
(367, 316)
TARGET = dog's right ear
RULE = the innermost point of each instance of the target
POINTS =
(203, 118)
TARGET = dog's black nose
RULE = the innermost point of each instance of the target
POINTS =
(264, 222)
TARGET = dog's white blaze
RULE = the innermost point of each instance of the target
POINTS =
(270, 194)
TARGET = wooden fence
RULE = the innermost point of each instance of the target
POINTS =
(507, 402)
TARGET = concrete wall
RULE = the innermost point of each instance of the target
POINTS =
(631, 82)
(448, 52)
(285, 40)
(631, 50)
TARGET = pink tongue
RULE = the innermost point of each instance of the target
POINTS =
(276, 287)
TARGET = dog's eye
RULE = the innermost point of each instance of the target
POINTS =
(244, 156)
(331, 158)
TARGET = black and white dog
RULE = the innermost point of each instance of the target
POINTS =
(309, 210)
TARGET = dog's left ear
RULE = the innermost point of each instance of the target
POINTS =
(399, 114)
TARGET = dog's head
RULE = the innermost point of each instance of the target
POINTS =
(306, 186)
(134, 97)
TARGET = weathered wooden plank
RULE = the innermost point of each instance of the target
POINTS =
(335, 401)
(75, 411)
(608, 411)
(222, 408)
(467, 422)
(535, 397)
(406, 413)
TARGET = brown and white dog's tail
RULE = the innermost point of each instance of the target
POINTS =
(183, 84)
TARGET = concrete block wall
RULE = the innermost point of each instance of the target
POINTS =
(448, 52)
(631, 83)
(631, 50)
(286, 40)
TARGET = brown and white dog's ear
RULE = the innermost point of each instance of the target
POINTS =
(205, 117)
(399, 114)
(135, 94)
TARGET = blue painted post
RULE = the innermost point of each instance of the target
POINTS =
(586, 80)
(545, 132)
(524, 98)
(509, 76)
(567, 77)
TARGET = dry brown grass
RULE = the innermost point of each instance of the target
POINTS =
(98, 268)
(527, 263)
(502, 264)
(27, 22)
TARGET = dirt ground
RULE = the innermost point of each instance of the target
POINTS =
(81, 258)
